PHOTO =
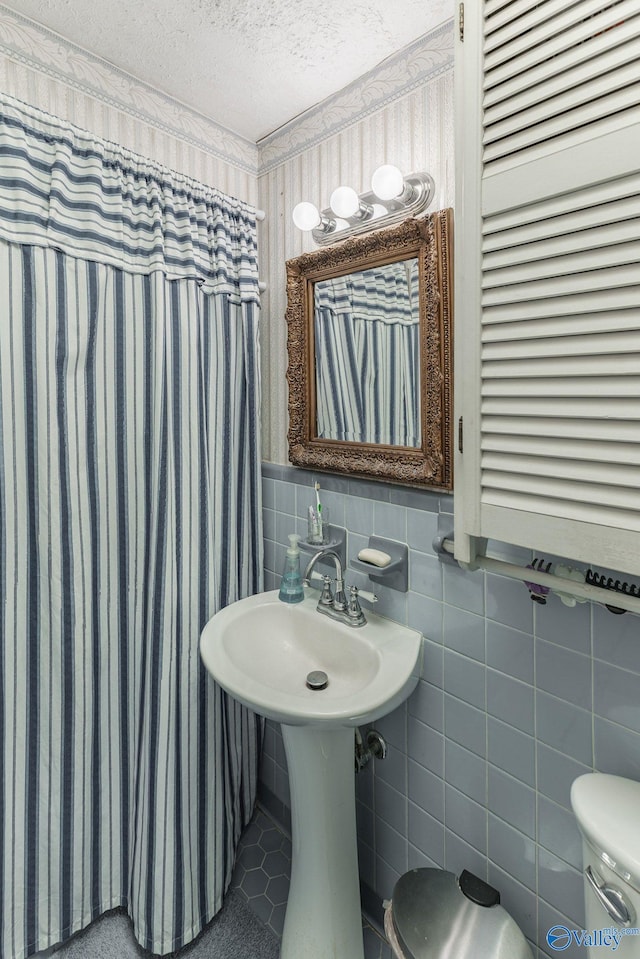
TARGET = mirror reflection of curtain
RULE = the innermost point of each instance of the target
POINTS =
(367, 356)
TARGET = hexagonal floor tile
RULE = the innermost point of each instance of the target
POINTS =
(254, 883)
(278, 890)
(271, 840)
(262, 908)
(252, 857)
(276, 864)
(276, 923)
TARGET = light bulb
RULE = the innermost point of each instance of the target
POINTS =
(387, 182)
(306, 216)
(344, 202)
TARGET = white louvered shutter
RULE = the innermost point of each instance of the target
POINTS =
(548, 278)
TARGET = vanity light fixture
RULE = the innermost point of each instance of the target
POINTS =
(307, 217)
(388, 183)
(392, 197)
(346, 204)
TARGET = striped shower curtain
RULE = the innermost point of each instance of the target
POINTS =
(367, 352)
(129, 514)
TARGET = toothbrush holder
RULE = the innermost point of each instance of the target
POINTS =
(318, 530)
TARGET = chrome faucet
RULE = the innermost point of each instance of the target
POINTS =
(334, 604)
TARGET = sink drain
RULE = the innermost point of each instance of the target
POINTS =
(317, 679)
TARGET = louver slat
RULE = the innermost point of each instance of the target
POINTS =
(608, 234)
(581, 347)
(607, 49)
(534, 27)
(573, 260)
(548, 358)
(602, 494)
(601, 279)
(561, 426)
(561, 306)
(556, 470)
(564, 510)
(559, 386)
(572, 138)
(565, 212)
(562, 34)
(596, 114)
(579, 102)
(573, 325)
(611, 408)
(583, 103)
(499, 12)
(535, 86)
(590, 451)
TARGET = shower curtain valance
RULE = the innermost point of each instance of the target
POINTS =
(66, 189)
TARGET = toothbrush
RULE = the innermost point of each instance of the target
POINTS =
(318, 523)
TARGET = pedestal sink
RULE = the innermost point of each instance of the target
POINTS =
(260, 651)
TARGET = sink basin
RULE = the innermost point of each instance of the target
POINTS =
(261, 650)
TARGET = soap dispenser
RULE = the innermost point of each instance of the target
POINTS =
(291, 589)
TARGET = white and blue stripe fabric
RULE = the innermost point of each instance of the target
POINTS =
(63, 188)
(367, 339)
(129, 514)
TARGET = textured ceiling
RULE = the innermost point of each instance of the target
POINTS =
(251, 66)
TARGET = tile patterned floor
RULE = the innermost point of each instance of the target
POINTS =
(261, 877)
(262, 870)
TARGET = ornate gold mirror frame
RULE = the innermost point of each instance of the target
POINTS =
(430, 240)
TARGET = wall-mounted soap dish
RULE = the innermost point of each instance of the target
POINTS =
(396, 574)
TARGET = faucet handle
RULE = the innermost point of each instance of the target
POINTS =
(326, 598)
(354, 611)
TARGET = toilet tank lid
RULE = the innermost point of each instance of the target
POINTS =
(607, 809)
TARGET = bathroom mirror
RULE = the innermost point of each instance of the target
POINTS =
(370, 354)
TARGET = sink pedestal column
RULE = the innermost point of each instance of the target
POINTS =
(323, 917)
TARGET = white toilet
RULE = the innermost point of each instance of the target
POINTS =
(607, 809)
